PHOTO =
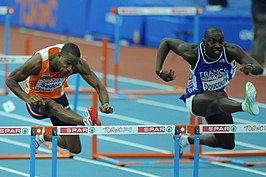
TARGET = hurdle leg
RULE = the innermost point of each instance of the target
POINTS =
(54, 152)
(176, 153)
(196, 152)
(52, 130)
(32, 152)
(105, 60)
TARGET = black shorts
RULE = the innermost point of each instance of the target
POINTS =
(34, 111)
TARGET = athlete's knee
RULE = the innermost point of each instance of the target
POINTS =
(228, 145)
(226, 141)
(74, 149)
(51, 107)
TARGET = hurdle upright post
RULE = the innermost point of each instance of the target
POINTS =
(27, 46)
(7, 43)
(196, 151)
(144, 11)
(194, 121)
(118, 22)
(105, 60)
(94, 149)
(6, 11)
(176, 152)
(52, 131)
(35, 130)
(32, 152)
(54, 151)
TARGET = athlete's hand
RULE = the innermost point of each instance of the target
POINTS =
(246, 68)
(36, 100)
(106, 108)
(167, 75)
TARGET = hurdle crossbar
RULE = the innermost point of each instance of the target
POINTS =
(224, 128)
(240, 128)
(26, 131)
(6, 11)
(157, 10)
(118, 130)
(119, 12)
(111, 156)
(194, 121)
(238, 153)
(190, 129)
(31, 131)
(114, 93)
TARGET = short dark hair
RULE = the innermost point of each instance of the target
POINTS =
(212, 29)
(71, 48)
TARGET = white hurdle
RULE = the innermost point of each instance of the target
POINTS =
(25, 131)
(13, 59)
(55, 131)
(113, 130)
(222, 128)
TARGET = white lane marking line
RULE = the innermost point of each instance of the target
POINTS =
(239, 168)
(10, 170)
(80, 159)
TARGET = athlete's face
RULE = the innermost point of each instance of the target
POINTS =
(213, 44)
(66, 64)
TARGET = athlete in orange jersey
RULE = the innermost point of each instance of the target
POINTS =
(45, 75)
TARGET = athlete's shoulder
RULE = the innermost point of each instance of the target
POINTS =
(231, 47)
(233, 51)
(188, 47)
(52, 48)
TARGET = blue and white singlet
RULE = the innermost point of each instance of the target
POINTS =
(209, 76)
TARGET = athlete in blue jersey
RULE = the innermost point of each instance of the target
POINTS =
(212, 66)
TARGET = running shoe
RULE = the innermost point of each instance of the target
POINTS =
(91, 118)
(94, 116)
(250, 93)
(39, 140)
(183, 142)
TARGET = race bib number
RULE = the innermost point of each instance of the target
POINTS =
(50, 84)
(215, 80)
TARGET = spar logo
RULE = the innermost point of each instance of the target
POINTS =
(13, 131)
(233, 128)
(216, 129)
(74, 130)
(92, 130)
(153, 129)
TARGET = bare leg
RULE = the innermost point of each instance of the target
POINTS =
(53, 108)
(217, 109)
(225, 141)
(212, 103)
(71, 143)
(61, 116)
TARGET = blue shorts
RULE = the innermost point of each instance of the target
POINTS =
(34, 111)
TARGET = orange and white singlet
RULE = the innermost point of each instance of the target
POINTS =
(47, 84)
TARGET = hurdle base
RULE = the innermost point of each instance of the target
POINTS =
(3, 92)
(38, 156)
(244, 153)
(112, 159)
(140, 155)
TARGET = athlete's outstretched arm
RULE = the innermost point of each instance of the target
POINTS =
(187, 51)
(31, 67)
(166, 45)
(90, 77)
(249, 65)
